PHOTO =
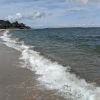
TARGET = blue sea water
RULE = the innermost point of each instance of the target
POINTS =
(66, 58)
(77, 47)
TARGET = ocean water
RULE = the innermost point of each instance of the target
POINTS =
(67, 59)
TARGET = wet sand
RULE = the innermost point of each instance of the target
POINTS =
(18, 83)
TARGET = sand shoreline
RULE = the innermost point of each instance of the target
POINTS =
(18, 83)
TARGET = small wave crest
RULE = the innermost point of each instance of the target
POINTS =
(54, 75)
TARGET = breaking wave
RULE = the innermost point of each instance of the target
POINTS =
(52, 74)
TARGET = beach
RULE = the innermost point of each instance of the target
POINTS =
(49, 50)
(38, 65)
(18, 83)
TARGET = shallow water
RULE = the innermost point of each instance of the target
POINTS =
(75, 48)
(18, 83)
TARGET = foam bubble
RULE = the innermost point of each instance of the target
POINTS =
(54, 75)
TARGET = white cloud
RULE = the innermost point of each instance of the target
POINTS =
(20, 16)
(15, 17)
(79, 1)
(75, 9)
(84, 1)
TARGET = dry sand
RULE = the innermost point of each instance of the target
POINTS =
(18, 83)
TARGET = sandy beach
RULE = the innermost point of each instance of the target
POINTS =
(28, 77)
(18, 83)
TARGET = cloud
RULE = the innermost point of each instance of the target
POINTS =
(78, 1)
(51, 12)
(13, 1)
(75, 9)
(84, 1)
(20, 16)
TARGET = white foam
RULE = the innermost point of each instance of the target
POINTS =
(54, 75)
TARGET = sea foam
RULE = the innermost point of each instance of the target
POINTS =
(52, 74)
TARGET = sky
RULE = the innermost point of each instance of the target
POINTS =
(52, 13)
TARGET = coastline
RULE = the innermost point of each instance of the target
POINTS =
(39, 90)
(17, 83)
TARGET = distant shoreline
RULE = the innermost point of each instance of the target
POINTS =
(5, 24)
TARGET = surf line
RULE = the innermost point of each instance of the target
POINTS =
(54, 75)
